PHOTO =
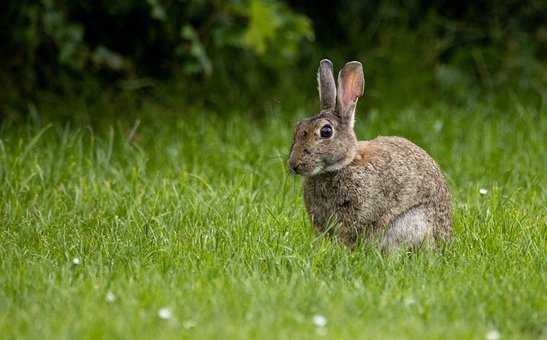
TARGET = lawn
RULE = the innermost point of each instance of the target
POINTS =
(190, 226)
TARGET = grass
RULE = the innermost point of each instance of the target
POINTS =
(197, 214)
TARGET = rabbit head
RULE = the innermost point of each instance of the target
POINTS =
(326, 141)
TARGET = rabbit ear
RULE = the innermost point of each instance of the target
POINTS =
(327, 87)
(351, 86)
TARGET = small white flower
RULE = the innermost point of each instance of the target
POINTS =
(409, 301)
(493, 334)
(165, 313)
(110, 297)
(319, 320)
(483, 191)
(76, 261)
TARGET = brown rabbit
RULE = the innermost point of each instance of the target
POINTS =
(386, 189)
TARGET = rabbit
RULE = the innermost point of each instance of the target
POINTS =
(386, 190)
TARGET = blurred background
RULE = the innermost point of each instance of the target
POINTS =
(251, 55)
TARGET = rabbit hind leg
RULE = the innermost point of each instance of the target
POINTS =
(411, 229)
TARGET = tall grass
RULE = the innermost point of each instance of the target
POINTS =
(101, 227)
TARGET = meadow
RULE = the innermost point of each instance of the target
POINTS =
(190, 226)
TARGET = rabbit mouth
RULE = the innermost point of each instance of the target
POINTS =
(316, 170)
(322, 166)
(307, 171)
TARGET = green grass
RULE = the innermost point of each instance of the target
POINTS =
(197, 213)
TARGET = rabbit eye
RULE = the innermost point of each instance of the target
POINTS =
(326, 131)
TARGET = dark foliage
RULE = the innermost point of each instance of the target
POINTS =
(442, 45)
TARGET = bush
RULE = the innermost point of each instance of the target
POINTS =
(245, 50)
(154, 38)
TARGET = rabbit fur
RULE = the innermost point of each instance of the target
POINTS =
(386, 190)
